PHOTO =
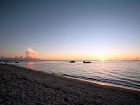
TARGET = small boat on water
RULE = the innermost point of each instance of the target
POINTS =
(86, 62)
(16, 62)
(72, 61)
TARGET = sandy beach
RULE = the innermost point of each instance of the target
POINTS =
(20, 86)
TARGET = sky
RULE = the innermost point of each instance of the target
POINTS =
(71, 29)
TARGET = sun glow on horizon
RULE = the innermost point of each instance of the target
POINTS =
(101, 55)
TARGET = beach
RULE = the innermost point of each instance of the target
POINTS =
(20, 86)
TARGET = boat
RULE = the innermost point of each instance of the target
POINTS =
(72, 61)
(16, 62)
(86, 62)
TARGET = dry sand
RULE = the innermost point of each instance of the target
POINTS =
(20, 86)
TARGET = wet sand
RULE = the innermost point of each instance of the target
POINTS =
(20, 86)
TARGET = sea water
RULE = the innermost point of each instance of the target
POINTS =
(125, 74)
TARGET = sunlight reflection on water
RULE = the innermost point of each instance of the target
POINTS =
(30, 65)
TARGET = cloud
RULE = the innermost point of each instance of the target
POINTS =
(30, 53)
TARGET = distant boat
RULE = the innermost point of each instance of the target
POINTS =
(72, 61)
(16, 62)
(86, 62)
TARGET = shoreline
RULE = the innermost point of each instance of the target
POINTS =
(29, 87)
(103, 83)
(94, 82)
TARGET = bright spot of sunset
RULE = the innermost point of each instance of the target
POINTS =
(103, 55)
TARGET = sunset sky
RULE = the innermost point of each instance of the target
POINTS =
(71, 29)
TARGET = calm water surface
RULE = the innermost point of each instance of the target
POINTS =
(124, 74)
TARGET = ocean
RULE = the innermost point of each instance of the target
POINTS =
(124, 74)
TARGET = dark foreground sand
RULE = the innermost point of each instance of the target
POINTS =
(19, 86)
